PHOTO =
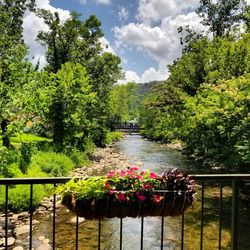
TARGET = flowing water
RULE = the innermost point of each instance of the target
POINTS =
(155, 157)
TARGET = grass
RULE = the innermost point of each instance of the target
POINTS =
(211, 221)
(27, 138)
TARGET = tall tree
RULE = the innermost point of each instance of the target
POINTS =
(221, 16)
(78, 41)
(12, 54)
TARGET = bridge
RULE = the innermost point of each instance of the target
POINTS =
(128, 128)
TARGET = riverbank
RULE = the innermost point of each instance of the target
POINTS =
(103, 160)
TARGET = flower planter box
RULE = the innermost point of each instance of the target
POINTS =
(111, 208)
(140, 198)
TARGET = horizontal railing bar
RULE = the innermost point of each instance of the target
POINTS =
(47, 180)
(220, 177)
(55, 180)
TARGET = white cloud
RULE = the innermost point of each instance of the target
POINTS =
(105, 2)
(83, 2)
(123, 14)
(152, 74)
(129, 76)
(159, 42)
(106, 45)
(33, 24)
(155, 10)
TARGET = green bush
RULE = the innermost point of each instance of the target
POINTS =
(7, 157)
(53, 164)
(19, 195)
(78, 157)
(112, 136)
(26, 150)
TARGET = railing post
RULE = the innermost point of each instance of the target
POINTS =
(235, 215)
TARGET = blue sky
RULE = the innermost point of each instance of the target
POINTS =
(143, 33)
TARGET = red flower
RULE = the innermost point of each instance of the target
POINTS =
(142, 198)
(107, 186)
(157, 198)
(147, 186)
(121, 197)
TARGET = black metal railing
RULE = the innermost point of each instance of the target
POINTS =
(222, 180)
(128, 127)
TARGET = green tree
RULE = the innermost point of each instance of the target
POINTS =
(221, 16)
(78, 42)
(125, 103)
(13, 67)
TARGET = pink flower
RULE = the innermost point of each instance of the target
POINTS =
(139, 177)
(111, 173)
(142, 198)
(112, 191)
(121, 197)
(134, 168)
(122, 173)
(153, 175)
(142, 172)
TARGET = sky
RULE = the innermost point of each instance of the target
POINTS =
(143, 33)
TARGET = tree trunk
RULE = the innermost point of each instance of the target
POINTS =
(5, 137)
(58, 125)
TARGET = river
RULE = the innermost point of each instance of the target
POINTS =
(154, 156)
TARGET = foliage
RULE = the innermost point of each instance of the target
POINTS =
(221, 16)
(124, 103)
(78, 157)
(113, 136)
(54, 164)
(130, 184)
(19, 195)
(217, 121)
(77, 42)
(7, 157)
(14, 70)
(205, 101)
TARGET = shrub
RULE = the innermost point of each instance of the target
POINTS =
(19, 195)
(7, 157)
(26, 150)
(78, 157)
(53, 164)
(112, 136)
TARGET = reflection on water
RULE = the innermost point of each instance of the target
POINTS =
(154, 157)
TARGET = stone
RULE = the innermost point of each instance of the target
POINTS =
(41, 238)
(10, 241)
(34, 222)
(44, 246)
(22, 230)
(18, 248)
(41, 208)
(80, 220)
(46, 241)
(14, 217)
(23, 215)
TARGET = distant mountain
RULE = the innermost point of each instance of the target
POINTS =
(145, 88)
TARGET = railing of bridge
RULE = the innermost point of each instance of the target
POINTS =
(127, 127)
(223, 180)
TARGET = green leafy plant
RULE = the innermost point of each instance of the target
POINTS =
(53, 164)
(137, 191)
